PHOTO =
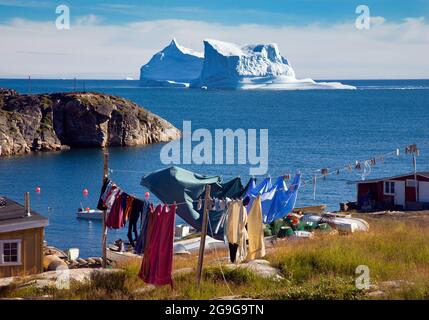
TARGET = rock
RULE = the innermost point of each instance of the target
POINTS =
(232, 298)
(376, 294)
(260, 267)
(54, 122)
(144, 289)
(49, 279)
(183, 271)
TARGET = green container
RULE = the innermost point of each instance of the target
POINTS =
(310, 225)
(267, 231)
(285, 232)
(300, 226)
(324, 227)
(275, 226)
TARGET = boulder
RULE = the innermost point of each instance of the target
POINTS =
(53, 122)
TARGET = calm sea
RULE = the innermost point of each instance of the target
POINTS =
(308, 130)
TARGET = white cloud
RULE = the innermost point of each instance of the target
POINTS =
(88, 20)
(92, 50)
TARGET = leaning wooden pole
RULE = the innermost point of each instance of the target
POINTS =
(203, 235)
(104, 229)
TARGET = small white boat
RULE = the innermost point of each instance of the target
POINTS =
(89, 214)
(347, 224)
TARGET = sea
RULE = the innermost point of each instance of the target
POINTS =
(307, 131)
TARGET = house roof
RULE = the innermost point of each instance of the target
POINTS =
(13, 217)
(421, 174)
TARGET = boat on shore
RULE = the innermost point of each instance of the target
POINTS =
(343, 224)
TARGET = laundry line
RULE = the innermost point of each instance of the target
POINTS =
(348, 167)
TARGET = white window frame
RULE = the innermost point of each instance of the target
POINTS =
(15, 263)
(388, 192)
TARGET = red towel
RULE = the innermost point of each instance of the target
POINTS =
(144, 273)
(157, 262)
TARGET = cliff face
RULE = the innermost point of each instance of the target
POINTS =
(46, 122)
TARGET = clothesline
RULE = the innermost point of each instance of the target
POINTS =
(181, 203)
(308, 181)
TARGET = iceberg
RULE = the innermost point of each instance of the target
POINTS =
(173, 66)
(256, 66)
(225, 65)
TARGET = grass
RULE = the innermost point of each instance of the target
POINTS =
(321, 268)
(391, 250)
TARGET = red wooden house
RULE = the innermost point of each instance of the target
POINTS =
(402, 192)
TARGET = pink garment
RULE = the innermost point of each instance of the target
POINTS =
(115, 218)
(157, 262)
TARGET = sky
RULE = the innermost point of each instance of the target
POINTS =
(113, 39)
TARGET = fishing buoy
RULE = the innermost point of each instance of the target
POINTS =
(85, 192)
(147, 195)
(38, 190)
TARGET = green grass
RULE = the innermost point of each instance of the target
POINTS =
(320, 268)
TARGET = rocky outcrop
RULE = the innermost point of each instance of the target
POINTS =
(47, 122)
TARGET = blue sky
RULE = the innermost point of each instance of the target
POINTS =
(295, 12)
(112, 39)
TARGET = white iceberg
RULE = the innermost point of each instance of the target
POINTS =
(260, 66)
(173, 66)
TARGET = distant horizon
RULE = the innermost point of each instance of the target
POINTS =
(123, 79)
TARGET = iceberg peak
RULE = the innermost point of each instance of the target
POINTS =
(174, 65)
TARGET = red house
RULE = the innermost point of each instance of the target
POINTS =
(403, 192)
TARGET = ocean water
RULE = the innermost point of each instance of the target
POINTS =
(308, 130)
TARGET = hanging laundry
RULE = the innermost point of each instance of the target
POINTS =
(255, 231)
(177, 184)
(106, 184)
(266, 190)
(217, 205)
(144, 219)
(222, 204)
(235, 230)
(153, 222)
(128, 207)
(283, 202)
(135, 213)
(157, 261)
(111, 196)
(164, 258)
(115, 218)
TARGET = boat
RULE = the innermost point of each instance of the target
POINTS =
(89, 214)
(314, 209)
(347, 224)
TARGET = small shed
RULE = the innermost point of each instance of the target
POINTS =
(21, 239)
(403, 192)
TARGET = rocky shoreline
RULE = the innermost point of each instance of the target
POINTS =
(58, 121)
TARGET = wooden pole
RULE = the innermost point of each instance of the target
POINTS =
(415, 177)
(203, 235)
(27, 203)
(104, 229)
